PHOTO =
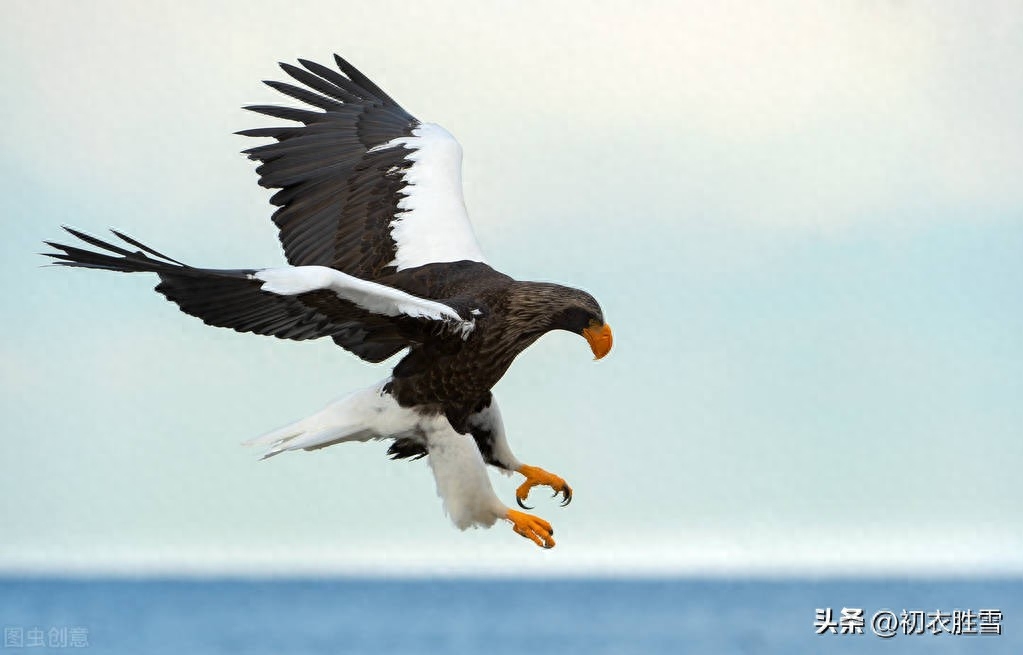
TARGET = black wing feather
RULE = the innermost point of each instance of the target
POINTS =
(308, 97)
(336, 198)
(323, 80)
(356, 76)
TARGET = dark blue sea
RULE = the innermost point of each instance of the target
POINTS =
(491, 617)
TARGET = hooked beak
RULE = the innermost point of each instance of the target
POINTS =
(599, 337)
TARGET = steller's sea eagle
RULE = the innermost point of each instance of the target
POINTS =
(382, 259)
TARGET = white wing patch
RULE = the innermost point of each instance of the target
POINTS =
(431, 224)
(377, 298)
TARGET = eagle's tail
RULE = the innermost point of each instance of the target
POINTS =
(367, 414)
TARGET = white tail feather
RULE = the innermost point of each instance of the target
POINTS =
(360, 416)
(371, 413)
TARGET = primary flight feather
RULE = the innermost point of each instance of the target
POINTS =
(382, 259)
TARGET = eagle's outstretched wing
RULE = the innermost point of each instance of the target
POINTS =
(364, 187)
(306, 302)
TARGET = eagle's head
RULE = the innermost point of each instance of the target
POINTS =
(580, 313)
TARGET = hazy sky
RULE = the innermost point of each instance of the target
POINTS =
(803, 220)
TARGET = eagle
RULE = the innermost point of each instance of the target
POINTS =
(381, 259)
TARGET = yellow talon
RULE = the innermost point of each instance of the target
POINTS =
(532, 527)
(536, 476)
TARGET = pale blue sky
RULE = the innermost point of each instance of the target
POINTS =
(804, 221)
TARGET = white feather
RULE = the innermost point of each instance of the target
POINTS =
(377, 298)
(431, 224)
(461, 476)
(360, 416)
(371, 413)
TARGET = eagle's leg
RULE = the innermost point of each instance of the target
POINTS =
(462, 483)
(487, 429)
(535, 477)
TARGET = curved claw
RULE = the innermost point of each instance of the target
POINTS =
(536, 476)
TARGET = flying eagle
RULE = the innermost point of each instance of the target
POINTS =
(382, 259)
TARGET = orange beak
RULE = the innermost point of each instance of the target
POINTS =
(599, 337)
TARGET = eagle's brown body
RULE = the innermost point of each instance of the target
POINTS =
(457, 375)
